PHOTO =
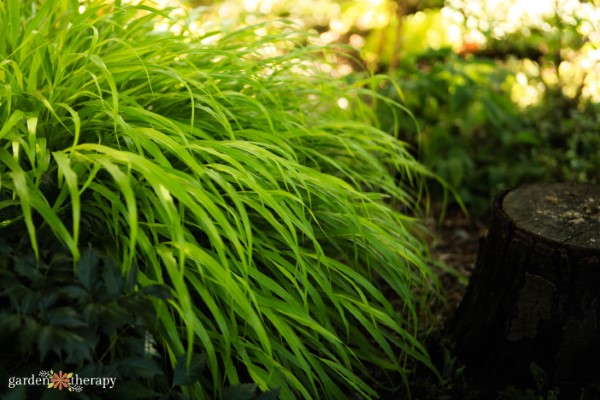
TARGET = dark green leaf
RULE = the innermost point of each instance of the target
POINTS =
(77, 348)
(7, 281)
(4, 248)
(175, 396)
(112, 279)
(26, 266)
(184, 375)
(48, 300)
(245, 391)
(112, 316)
(16, 393)
(74, 291)
(87, 269)
(46, 340)
(9, 323)
(132, 390)
(138, 305)
(270, 395)
(159, 291)
(99, 370)
(62, 340)
(132, 277)
(139, 367)
(64, 317)
(29, 301)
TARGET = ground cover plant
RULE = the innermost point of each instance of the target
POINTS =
(92, 323)
(247, 181)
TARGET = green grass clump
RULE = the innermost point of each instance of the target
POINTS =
(230, 175)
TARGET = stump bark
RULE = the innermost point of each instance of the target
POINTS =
(534, 296)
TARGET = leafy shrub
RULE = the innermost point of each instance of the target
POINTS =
(569, 136)
(471, 130)
(225, 170)
(479, 141)
(92, 322)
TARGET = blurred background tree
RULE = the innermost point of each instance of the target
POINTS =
(504, 91)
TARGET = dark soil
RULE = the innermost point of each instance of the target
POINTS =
(455, 246)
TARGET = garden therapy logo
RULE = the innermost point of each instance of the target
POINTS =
(61, 380)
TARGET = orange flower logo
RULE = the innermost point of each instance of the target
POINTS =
(60, 380)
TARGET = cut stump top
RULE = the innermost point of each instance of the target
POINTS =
(567, 213)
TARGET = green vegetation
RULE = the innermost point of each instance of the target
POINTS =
(478, 140)
(94, 321)
(470, 127)
(220, 203)
(251, 195)
(513, 101)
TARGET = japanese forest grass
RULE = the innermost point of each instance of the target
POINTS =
(229, 175)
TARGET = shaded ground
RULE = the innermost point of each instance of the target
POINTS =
(455, 246)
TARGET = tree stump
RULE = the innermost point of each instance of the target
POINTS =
(534, 296)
